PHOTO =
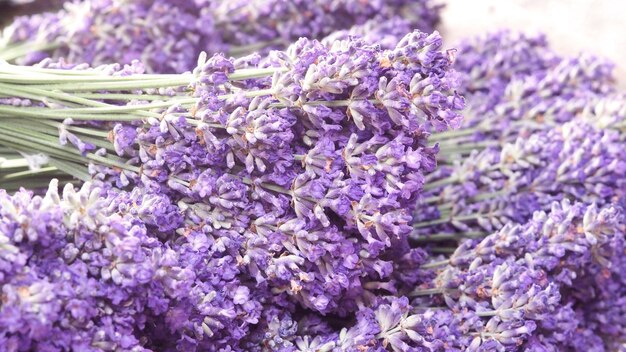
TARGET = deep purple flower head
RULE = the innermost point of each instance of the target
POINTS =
(507, 184)
(525, 279)
(171, 32)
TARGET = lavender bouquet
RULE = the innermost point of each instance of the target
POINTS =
(370, 191)
(167, 35)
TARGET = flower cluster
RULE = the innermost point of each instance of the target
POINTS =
(100, 270)
(389, 324)
(508, 183)
(531, 284)
(304, 166)
(521, 86)
(249, 22)
(326, 197)
(316, 181)
(167, 35)
(489, 63)
(539, 128)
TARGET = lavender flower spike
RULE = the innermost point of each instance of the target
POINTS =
(528, 279)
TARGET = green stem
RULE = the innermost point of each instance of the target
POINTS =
(12, 91)
(482, 196)
(21, 50)
(442, 250)
(25, 145)
(447, 206)
(440, 237)
(450, 219)
(434, 265)
(430, 200)
(335, 103)
(71, 168)
(453, 134)
(13, 163)
(21, 174)
(247, 49)
(12, 112)
(50, 128)
(107, 109)
(115, 85)
(77, 129)
(452, 147)
(123, 108)
(22, 138)
(427, 292)
(6, 67)
(133, 82)
(121, 96)
(439, 183)
(43, 78)
(34, 93)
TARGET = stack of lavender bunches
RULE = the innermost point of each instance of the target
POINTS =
(167, 35)
(327, 197)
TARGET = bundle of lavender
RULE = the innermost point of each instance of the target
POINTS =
(168, 35)
(293, 202)
(296, 173)
(543, 285)
(550, 133)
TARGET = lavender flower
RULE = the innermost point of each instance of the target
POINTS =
(303, 167)
(489, 63)
(391, 324)
(576, 161)
(516, 85)
(168, 44)
(526, 278)
(171, 32)
(273, 198)
(249, 22)
(95, 269)
(606, 112)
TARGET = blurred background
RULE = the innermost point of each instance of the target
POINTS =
(572, 26)
(12, 8)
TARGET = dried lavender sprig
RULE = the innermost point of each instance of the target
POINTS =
(102, 108)
(501, 185)
(167, 34)
(269, 179)
(245, 22)
(537, 272)
(500, 74)
(356, 105)
(489, 63)
(390, 323)
(529, 103)
(515, 85)
(104, 266)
